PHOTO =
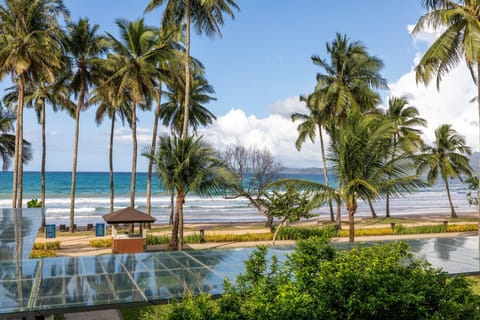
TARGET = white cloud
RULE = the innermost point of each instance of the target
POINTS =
(288, 106)
(449, 105)
(275, 133)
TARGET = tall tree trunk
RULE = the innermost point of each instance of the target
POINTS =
(372, 209)
(80, 105)
(152, 153)
(21, 90)
(180, 221)
(325, 171)
(15, 164)
(478, 175)
(110, 162)
(172, 208)
(134, 156)
(351, 223)
(174, 241)
(387, 198)
(454, 214)
(44, 159)
(338, 219)
(187, 72)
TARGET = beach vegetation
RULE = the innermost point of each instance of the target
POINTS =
(254, 170)
(207, 17)
(101, 243)
(84, 47)
(50, 245)
(31, 51)
(316, 118)
(7, 139)
(184, 166)
(287, 205)
(317, 281)
(34, 203)
(447, 158)
(406, 140)
(42, 253)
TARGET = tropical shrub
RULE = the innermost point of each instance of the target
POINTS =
(53, 245)
(42, 253)
(101, 243)
(320, 282)
(155, 240)
(299, 233)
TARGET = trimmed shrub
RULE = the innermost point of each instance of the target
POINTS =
(42, 253)
(54, 245)
(101, 243)
(298, 233)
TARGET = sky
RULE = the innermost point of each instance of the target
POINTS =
(259, 67)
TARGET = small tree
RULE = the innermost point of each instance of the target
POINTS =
(290, 205)
(254, 169)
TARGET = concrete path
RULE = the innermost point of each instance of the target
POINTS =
(112, 314)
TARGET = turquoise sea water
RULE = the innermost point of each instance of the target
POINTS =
(92, 199)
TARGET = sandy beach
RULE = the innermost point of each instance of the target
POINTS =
(78, 244)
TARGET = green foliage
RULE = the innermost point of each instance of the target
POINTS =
(42, 253)
(472, 196)
(298, 233)
(34, 203)
(439, 228)
(230, 237)
(101, 243)
(155, 240)
(54, 245)
(319, 282)
(291, 204)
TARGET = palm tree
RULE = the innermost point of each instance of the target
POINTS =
(7, 140)
(359, 158)
(447, 158)
(84, 47)
(30, 50)
(308, 128)
(200, 94)
(134, 64)
(207, 16)
(184, 166)
(104, 96)
(406, 137)
(346, 84)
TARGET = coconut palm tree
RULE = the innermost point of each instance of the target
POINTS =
(7, 140)
(171, 111)
(206, 16)
(84, 49)
(108, 106)
(134, 63)
(36, 96)
(359, 160)
(308, 128)
(346, 82)
(447, 158)
(30, 50)
(184, 166)
(406, 137)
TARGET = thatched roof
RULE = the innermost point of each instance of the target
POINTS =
(127, 215)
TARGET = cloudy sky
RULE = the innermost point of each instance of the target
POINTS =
(259, 68)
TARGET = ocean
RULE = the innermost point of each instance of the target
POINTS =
(92, 199)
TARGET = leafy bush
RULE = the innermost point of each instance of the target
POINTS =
(101, 243)
(462, 227)
(54, 245)
(439, 228)
(319, 282)
(299, 233)
(155, 240)
(34, 203)
(42, 253)
(368, 232)
(267, 236)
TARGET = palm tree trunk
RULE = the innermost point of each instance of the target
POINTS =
(338, 219)
(15, 165)
(110, 161)
(21, 90)
(478, 111)
(152, 153)
(454, 214)
(172, 208)
(372, 209)
(174, 245)
(187, 71)
(134, 156)
(81, 99)
(325, 172)
(180, 222)
(351, 222)
(44, 160)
